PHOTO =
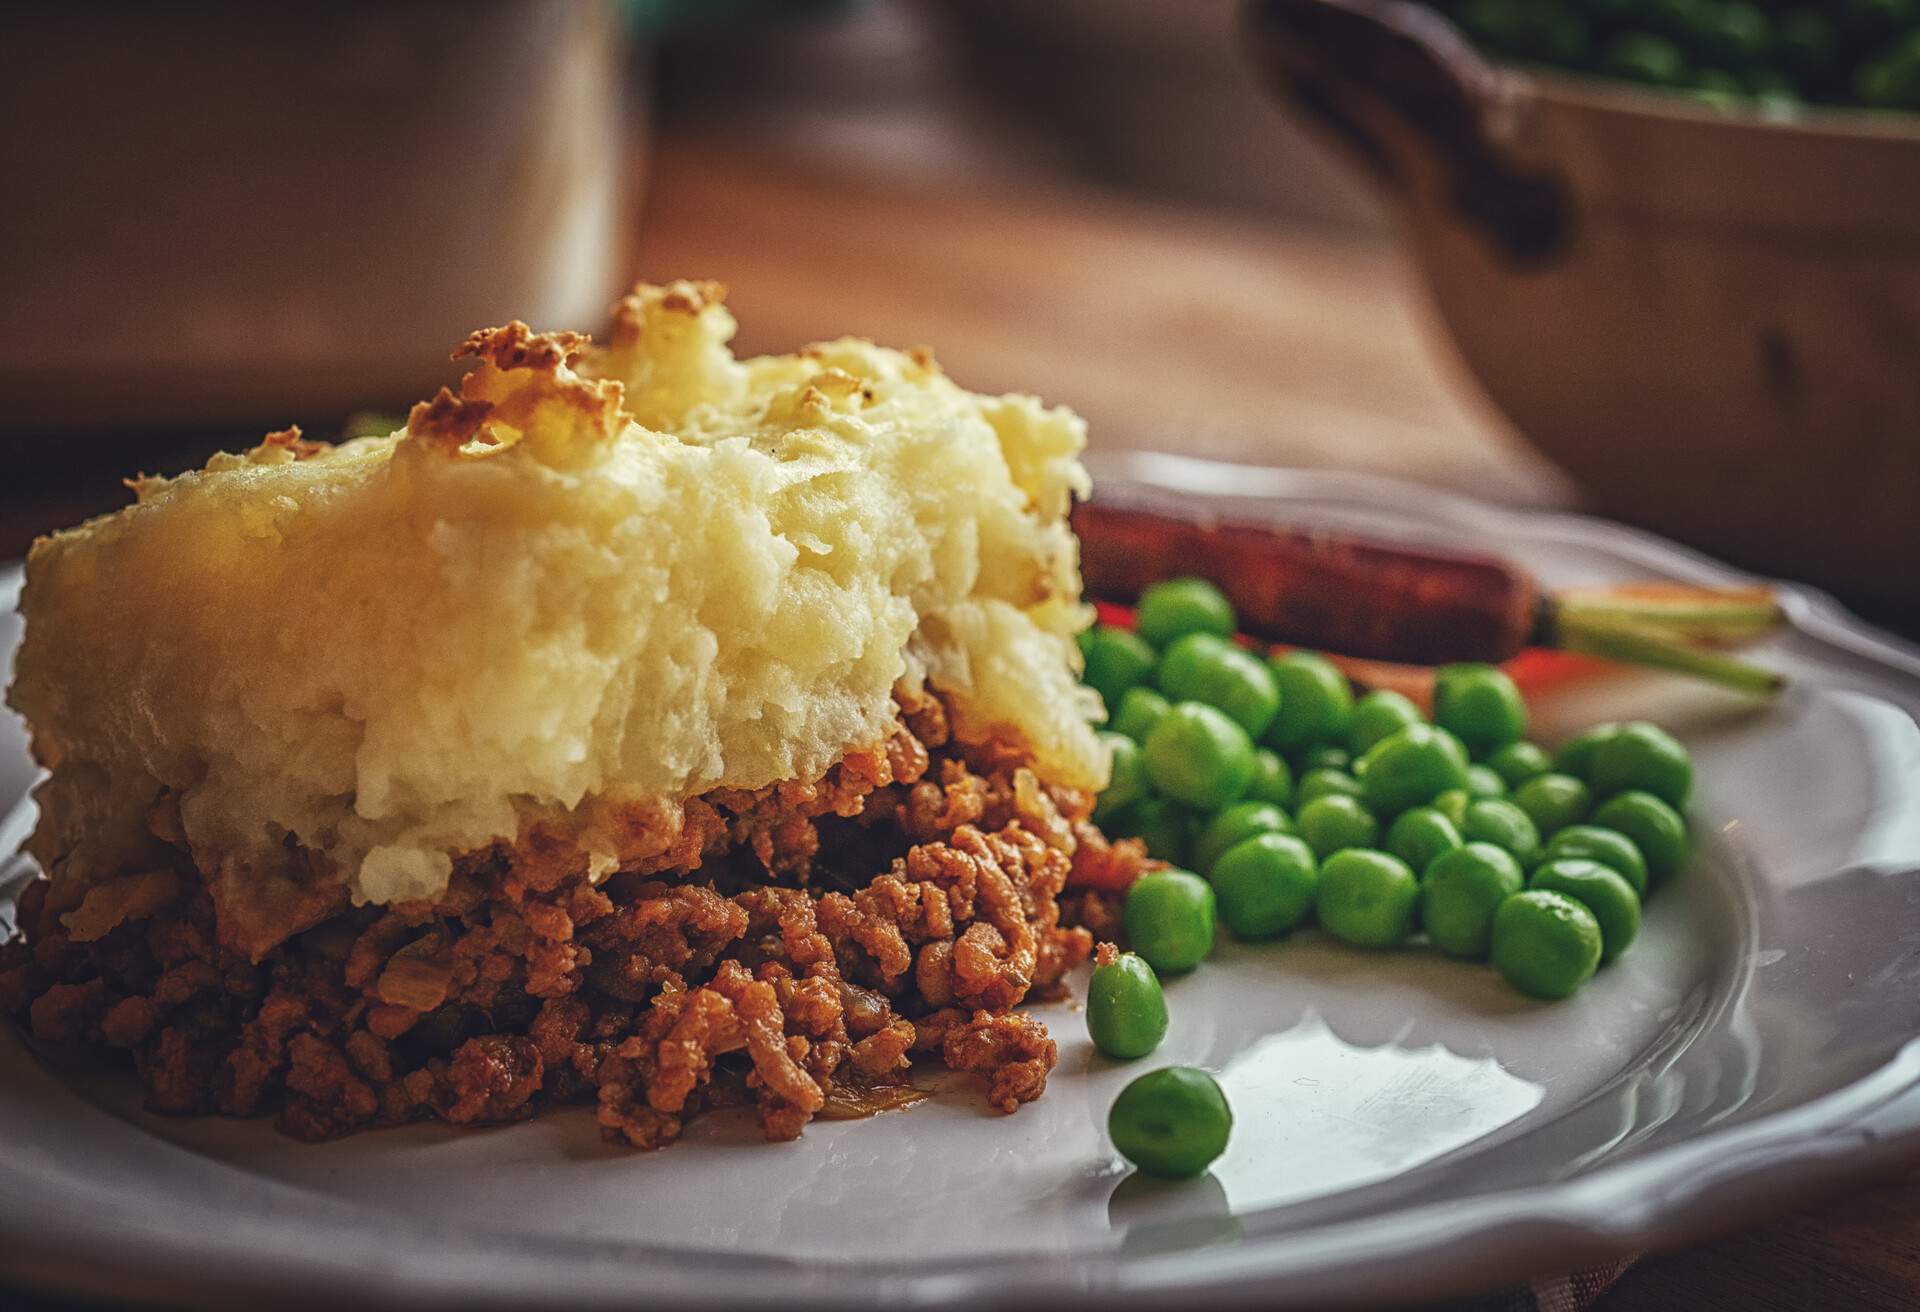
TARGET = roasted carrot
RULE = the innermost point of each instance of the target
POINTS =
(1341, 594)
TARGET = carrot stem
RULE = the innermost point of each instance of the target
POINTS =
(1639, 643)
(1681, 612)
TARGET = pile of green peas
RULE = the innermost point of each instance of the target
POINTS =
(1275, 794)
(1774, 53)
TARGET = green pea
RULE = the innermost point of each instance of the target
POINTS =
(1198, 755)
(1126, 1011)
(1203, 668)
(1545, 944)
(1518, 762)
(1527, 29)
(1272, 779)
(1892, 80)
(1484, 781)
(1367, 898)
(1128, 783)
(1116, 661)
(1655, 828)
(1607, 846)
(1603, 891)
(1172, 1122)
(1315, 784)
(1414, 764)
(1420, 834)
(1644, 57)
(1376, 715)
(1189, 652)
(1480, 705)
(1334, 822)
(1645, 757)
(1460, 893)
(1553, 801)
(1575, 756)
(1733, 32)
(1161, 823)
(1177, 607)
(1241, 820)
(1496, 820)
(1453, 805)
(1323, 756)
(1315, 701)
(1266, 885)
(1719, 88)
(1139, 710)
(1169, 919)
(1807, 41)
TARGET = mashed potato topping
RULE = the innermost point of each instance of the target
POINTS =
(597, 579)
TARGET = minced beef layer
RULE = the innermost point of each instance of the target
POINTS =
(832, 933)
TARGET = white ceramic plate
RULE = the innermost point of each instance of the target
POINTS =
(1406, 1127)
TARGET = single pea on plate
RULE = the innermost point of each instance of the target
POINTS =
(1169, 919)
(1272, 779)
(1173, 1122)
(1315, 701)
(1518, 762)
(1116, 660)
(1176, 607)
(1645, 757)
(1197, 754)
(1553, 801)
(1501, 822)
(1126, 1010)
(1334, 822)
(1545, 943)
(1656, 829)
(1127, 783)
(1603, 891)
(1461, 891)
(1367, 898)
(1379, 713)
(1265, 885)
(1139, 710)
(1479, 704)
(1203, 668)
(1410, 766)
(1421, 833)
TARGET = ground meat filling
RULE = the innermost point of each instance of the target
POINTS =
(832, 933)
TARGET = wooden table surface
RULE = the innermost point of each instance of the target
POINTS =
(1167, 329)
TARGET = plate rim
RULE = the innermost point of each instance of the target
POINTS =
(69, 1237)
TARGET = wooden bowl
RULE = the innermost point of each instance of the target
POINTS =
(1711, 320)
